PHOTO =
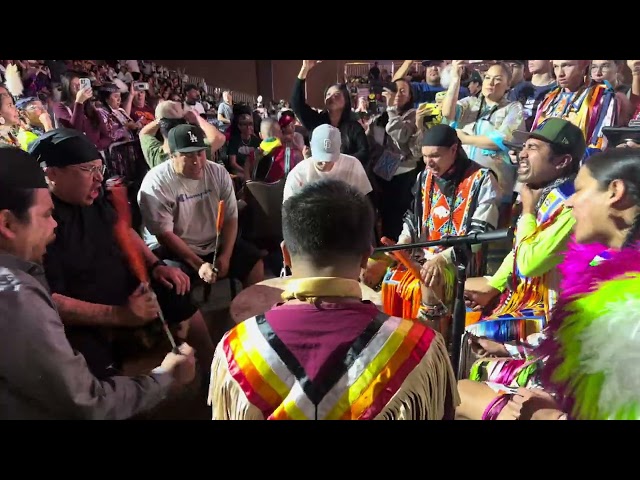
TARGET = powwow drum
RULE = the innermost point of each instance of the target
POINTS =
(261, 297)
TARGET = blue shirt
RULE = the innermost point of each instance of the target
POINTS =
(425, 93)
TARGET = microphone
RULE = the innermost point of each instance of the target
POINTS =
(471, 239)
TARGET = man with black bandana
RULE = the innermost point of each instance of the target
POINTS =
(453, 196)
(42, 377)
(93, 286)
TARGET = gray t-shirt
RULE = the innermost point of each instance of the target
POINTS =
(189, 208)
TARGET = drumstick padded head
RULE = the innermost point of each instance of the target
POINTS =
(220, 219)
(122, 231)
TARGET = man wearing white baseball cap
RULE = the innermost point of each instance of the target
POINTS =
(326, 161)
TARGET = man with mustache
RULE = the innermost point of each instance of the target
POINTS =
(547, 166)
(93, 285)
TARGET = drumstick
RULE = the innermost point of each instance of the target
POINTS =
(219, 223)
(165, 325)
(402, 258)
(122, 231)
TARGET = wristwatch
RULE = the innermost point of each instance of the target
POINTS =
(157, 264)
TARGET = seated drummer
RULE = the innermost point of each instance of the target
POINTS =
(547, 167)
(43, 378)
(450, 176)
(92, 283)
(327, 162)
(179, 204)
(324, 353)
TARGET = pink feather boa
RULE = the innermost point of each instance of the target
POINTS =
(579, 278)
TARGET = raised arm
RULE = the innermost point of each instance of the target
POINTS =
(309, 118)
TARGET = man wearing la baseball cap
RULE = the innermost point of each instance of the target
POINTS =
(186, 138)
(326, 161)
(179, 201)
(547, 166)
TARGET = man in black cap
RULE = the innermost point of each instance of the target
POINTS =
(474, 83)
(179, 201)
(92, 283)
(42, 376)
(453, 196)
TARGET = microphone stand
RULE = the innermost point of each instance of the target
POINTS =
(461, 254)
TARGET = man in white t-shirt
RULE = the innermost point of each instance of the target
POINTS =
(326, 161)
(179, 204)
(192, 100)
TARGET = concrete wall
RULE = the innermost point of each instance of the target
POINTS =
(239, 75)
(265, 77)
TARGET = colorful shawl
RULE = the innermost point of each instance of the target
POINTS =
(524, 308)
(396, 369)
(442, 216)
(588, 109)
(593, 342)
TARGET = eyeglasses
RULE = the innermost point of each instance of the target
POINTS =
(605, 67)
(101, 169)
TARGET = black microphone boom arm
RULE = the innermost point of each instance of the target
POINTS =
(471, 239)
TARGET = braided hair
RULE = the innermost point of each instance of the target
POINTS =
(620, 164)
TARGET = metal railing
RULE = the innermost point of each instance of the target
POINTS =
(238, 97)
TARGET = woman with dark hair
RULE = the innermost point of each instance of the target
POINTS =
(127, 161)
(75, 110)
(394, 156)
(337, 113)
(485, 122)
(594, 334)
(119, 124)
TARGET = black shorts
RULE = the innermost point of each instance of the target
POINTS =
(243, 258)
(176, 308)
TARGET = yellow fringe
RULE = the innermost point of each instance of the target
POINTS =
(226, 399)
(431, 381)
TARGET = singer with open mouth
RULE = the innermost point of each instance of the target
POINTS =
(526, 284)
